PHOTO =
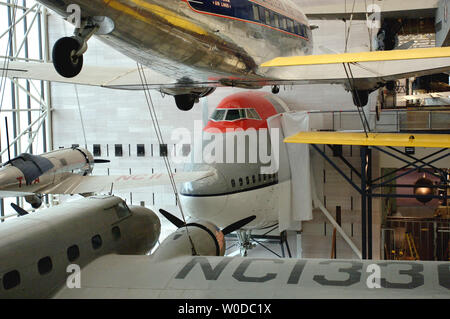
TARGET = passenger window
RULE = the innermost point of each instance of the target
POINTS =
(247, 179)
(254, 179)
(233, 115)
(290, 26)
(255, 12)
(116, 233)
(122, 210)
(265, 177)
(259, 178)
(233, 183)
(96, 242)
(218, 115)
(283, 23)
(241, 182)
(276, 20)
(11, 280)
(73, 252)
(262, 14)
(45, 265)
(267, 17)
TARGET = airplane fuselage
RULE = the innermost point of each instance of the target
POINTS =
(36, 250)
(29, 174)
(239, 187)
(201, 41)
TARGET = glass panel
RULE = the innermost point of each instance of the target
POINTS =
(242, 114)
(218, 115)
(267, 17)
(255, 12)
(276, 21)
(233, 115)
(252, 114)
(122, 210)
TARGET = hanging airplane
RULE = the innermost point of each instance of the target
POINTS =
(94, 248)
(67, 171)
(207, 44)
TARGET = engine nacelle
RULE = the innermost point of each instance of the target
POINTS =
(207, 239)
(34, 200)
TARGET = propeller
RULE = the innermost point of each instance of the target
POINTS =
(19, 210)
(101, 161)
(227, 230)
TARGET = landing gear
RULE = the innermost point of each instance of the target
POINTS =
(387, 36)
(275, 89)
(68, 52)
(360, 97)
(65, 59)
(185, 102)
(245, 241)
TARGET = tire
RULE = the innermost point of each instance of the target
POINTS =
(185, 102)
(66, 65)
(360, 98)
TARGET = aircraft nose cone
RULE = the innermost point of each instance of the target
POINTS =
(212, 185)
(205, 198)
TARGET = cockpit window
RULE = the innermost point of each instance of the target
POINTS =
(252, 114)
(122, 210)
(218, 115)
(234, 114)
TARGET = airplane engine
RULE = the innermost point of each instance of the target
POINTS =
(199, 237)
(34, 200)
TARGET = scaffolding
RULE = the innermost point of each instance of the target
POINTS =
(25, 106)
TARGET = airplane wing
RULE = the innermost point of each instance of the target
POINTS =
(368, 70)
(115, 276)
(126, 78)
(77, 184)
(372, 139)
(338, 10)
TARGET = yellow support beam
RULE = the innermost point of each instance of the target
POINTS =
(373, 139)
(374, 56)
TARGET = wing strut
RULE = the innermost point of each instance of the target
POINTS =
(356, 94)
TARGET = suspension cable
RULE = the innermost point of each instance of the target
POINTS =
(160, 138)
(81, 116)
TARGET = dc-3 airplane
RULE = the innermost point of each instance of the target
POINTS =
(95, 248)
(202, 45)
(67, 171)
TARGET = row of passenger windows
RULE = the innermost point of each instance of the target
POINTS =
(275, 20)
(234, 114)
(262, 178)
(45, 265)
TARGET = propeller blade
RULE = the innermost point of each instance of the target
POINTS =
(19, 210)
(101, 161)
(171, 218)
(238, 225)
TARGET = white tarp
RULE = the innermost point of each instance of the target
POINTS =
(296, 202)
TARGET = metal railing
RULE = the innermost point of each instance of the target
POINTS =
(388, 121)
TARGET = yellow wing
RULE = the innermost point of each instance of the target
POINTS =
(375, 56)
(373, 139)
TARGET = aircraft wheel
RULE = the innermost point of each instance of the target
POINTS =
(275, 89)
(361, 98)
(66, 63)
(185, 102)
